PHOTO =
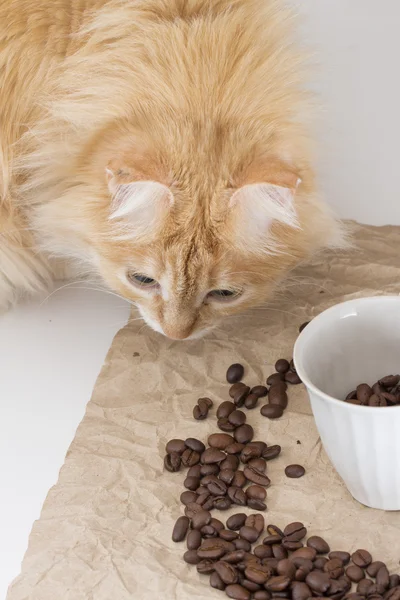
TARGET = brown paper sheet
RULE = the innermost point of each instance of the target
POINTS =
(105, 528)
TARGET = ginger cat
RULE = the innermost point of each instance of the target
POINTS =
(159, 144)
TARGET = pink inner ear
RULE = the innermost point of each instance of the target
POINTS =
(257, 206)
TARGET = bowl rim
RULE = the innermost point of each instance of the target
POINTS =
(312, 328)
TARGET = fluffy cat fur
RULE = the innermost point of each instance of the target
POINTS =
(164, 139)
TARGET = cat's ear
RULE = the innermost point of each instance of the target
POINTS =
(256, 205)
(138, 202)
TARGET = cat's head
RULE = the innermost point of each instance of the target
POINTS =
(193, 242)
(191, 235)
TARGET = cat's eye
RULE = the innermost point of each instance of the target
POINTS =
(223, 295)
(142, 280)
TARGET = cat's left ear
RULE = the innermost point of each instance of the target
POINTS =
(266, 196)
(139, 202)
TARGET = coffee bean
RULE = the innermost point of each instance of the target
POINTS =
(278, 583)
(210, 469)
(195, 445)
(205, 567)
(279, 552)
(228, 535)
(193, 540)
(278, 396)
(188, 497)
(180, 529)
(262, 552)
(227, 475)
(172, 462)
(272, 411)
(239, 479)
(259, 390)
(295, 531)
(251, 401)
(236, 521)
(355, 573)
(389, 381)
(320, 562)
(225, 425)
(175, 445)
(256, 521)
(201, 518)
(227, 572)
(242, 545)
(382, 578)
(256, 476)
(190, 458)
(374, 567)
(214, 548)
(375, 400)
(352, 395)
(286, 567)
(216, 581)
(292, 377)
(244, 434)
(256, 492)
(334, 568)
(222, 503)
(257, 573)
(363, 392)
(230, 462)
(212, 455)
(220, 440)
(262, 595)
(237, 496)
(294, 471)
(303, 326)
(394, 581)
(191, 483)
(235, 373)
(305, 553)
(225, 409)
(239, 394)
(271, 452)
(273, 538)
(200, 411)
(363, 586)
(190, 557)
(343, 556)
(319, 544)
(237, 592)
(192, 509)
(361, 558)
(237, 418)
(274, 530)
(217, 488)
(318, 582)
(194, 471)
(282, 365)
(275, 378)
(234, 448)
(236, 556)
(393, 594)
(300, 590)
(249, 452)
(249, 533)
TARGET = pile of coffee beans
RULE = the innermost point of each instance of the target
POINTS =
(248, 565)
(384, 392)
(232, 471)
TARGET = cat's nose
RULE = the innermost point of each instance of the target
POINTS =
(178, 331)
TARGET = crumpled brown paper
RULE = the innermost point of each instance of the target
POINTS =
(105, 529)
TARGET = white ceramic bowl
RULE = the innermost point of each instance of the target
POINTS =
(350, 343)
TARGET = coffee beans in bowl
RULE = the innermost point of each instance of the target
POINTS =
(384, 392)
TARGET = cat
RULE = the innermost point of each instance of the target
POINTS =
(161, 145)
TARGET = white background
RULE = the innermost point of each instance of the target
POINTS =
(50, 354)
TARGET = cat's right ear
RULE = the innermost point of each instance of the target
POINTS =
(138, 203)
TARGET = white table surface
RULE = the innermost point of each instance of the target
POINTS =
(50, 356)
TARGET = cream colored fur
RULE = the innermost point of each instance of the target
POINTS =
(161, 137)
